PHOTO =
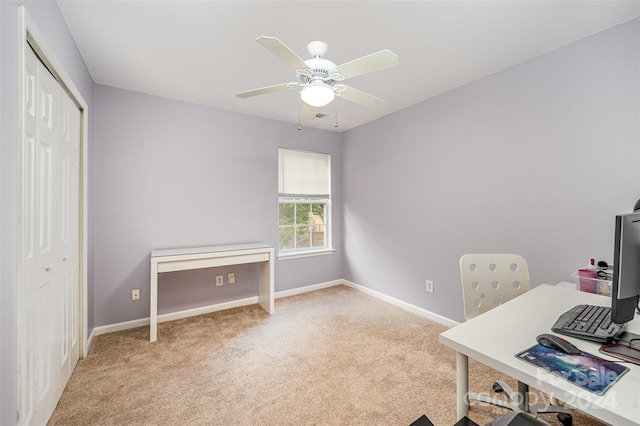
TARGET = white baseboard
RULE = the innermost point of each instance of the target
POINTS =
(89, 341)
(104, 329)
(97, 331)
(307, 288)
(404, 305)
(175, 315)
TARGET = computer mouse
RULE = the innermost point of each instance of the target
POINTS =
(558, 343)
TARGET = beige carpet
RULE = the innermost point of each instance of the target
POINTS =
(330, 357)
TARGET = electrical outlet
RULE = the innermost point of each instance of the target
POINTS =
(135, 294)
(219, 280)
(430, 286)
(231, 278)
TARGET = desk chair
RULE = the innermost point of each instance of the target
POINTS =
(489, 280)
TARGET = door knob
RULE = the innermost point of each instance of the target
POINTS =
(48, 268)
(65, 258)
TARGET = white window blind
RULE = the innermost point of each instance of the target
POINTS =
(303, 173)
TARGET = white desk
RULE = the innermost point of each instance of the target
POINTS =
(494, 338)
(183, 259)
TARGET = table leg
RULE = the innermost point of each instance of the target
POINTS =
(523, 396)
(153, 303)
(462, 363)
(266, 284)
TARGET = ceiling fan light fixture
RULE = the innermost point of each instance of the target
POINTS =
(317, 94)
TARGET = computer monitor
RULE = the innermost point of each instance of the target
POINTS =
(625, 292)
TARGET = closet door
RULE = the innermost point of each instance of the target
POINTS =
(49, 346)
(67, 231)
(27, 293)
(46, 300)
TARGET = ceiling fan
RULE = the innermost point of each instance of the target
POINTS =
(320, 79)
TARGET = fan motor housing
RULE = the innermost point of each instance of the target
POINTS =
(320, 68)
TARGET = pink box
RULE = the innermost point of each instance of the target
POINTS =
(588, 281)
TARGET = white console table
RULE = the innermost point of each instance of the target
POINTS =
(183, 259)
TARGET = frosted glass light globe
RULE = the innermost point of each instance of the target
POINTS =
(317, 94)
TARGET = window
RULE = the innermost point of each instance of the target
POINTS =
(304, 187)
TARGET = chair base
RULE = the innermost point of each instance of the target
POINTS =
(519, 402)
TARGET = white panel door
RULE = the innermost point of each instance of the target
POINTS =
(67, 231)
(27, 291)
(49, 346)
(47, 291)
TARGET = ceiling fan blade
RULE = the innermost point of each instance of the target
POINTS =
(268, 89)
(281, 50)
(360, 98)
(366, 64)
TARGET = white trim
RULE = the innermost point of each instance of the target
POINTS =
(404, 305)
(208, 309)
(308, 288)
(172, 316)
(309, 253)
(142, 322)
(90, 339)
(111, 328)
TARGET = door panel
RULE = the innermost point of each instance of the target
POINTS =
(27, 338)
(49, 344)
(47, 292)
(68, 229)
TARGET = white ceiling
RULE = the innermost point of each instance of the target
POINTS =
(204, 51)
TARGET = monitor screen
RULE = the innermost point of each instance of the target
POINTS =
(626, 268)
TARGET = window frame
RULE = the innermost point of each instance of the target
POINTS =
(306, 251)
(301, 199)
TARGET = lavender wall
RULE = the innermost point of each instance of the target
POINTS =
(173, 174)
(536, 160)
(49, 21)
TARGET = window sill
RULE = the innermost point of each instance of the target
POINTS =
(310, 253)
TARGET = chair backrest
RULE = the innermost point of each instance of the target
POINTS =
(489, 280)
